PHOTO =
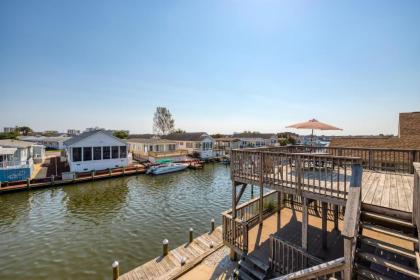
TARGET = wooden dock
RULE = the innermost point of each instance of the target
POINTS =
(170, 267)
(81, 177)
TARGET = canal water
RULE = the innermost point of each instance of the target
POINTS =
(76, 231)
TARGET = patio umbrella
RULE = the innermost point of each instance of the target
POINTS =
(313, 124)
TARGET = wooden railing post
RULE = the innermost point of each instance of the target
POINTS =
(261, 186)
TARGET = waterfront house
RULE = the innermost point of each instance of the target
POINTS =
(255, 139)
(155, 149)
(223, 145)
(16, 160)
(196, 143)
(50, 142)
(96, 150)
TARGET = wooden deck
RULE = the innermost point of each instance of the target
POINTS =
(388, 190)
(169, 267)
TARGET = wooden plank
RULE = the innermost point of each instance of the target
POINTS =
(386, 189)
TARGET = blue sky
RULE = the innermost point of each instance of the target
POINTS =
(219, 66)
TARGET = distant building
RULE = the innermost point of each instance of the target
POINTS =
(254, 140)
(155, 149)
(408, 136)
(8, 129)
(194, 142)
(50, 142)
(16, 159)
(73, 132)
(93, 129)
(224, 145)
(95, 150)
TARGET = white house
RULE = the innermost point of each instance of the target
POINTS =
(50, 142)
(199, 143)
(96, 150)
(16, 160)
(253, 139)
(155, 149)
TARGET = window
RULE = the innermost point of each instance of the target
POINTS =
(114, 151)
(77, 154)
(189, 145)
(106, 153)
(97, 153)
(197, 145)
(87, 153)
(151, 148)
(123, 151)
(171, 147)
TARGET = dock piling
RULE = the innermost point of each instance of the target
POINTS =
(165, 246)
(191, 235)
(115, 270)
(28, 182)
(212, 225)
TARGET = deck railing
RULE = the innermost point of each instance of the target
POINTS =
(317, 173)
(328, 270)
(416, 195)
(286, 258)
(235, 230)
(379, 159)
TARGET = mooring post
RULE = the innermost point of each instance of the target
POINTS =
(52, 179)
(165, 246)
(28, 182)
(191, 235)
(115, 270)
(92, 174)
(212, 225)
(110, 171)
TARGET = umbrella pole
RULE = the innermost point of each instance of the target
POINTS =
(312, 136)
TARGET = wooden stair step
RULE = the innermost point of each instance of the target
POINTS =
(242, 275)
(367, 273)
(389, 232)
(388, 247)
(388, 219)
(251, 269)
(259, 263)
(389, 264)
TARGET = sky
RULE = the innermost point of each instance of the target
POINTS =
(218, 66)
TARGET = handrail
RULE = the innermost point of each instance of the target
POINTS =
(416, 195)
(320, 270)
(286, 257)
(351, 220)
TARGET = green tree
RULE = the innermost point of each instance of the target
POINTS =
(163, 123)
(25, 130)
(8, 135)
(121, 134)
(178, 130)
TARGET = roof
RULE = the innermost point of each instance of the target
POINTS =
(254, 135)
(186, 136)
(390, 142)
(11, 143)
(142, 136)
(44, 138)
(87, 134)
(227, 139)
(150, 140)
(7, 151)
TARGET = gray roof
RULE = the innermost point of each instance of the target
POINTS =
(86, 134)
(150, 140)
(254, 135)
(187, 136)
(11, 143)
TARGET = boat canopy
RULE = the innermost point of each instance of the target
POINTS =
(164, 161)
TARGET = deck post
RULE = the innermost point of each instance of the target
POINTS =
(165, 246)
(191, 232)
(252, 191)
(279, 206)
(324, 225)
(115, 270)
(261, 187)
(212, 225)
(232, 251)
(336, 217)
(305, 223)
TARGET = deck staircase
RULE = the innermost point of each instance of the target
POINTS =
(251, 268)
(391, 259)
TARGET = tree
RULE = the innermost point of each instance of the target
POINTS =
(25, 130)
(121, 134)
(162, 121)
(8, 135)
(178, 130)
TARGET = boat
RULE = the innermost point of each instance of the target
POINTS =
(166, 168)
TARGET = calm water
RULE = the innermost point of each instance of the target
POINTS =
(76, 231)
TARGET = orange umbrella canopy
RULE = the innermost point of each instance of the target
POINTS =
(314, 124)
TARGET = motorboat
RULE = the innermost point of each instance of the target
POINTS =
(166, 168)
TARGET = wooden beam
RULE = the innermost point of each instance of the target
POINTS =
(336, 217)
(261, 186)
(279, 206)
(241, 192)
(234, 200)
(305, 223)
(324, 225)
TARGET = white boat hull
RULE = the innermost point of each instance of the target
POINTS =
(157, 170)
